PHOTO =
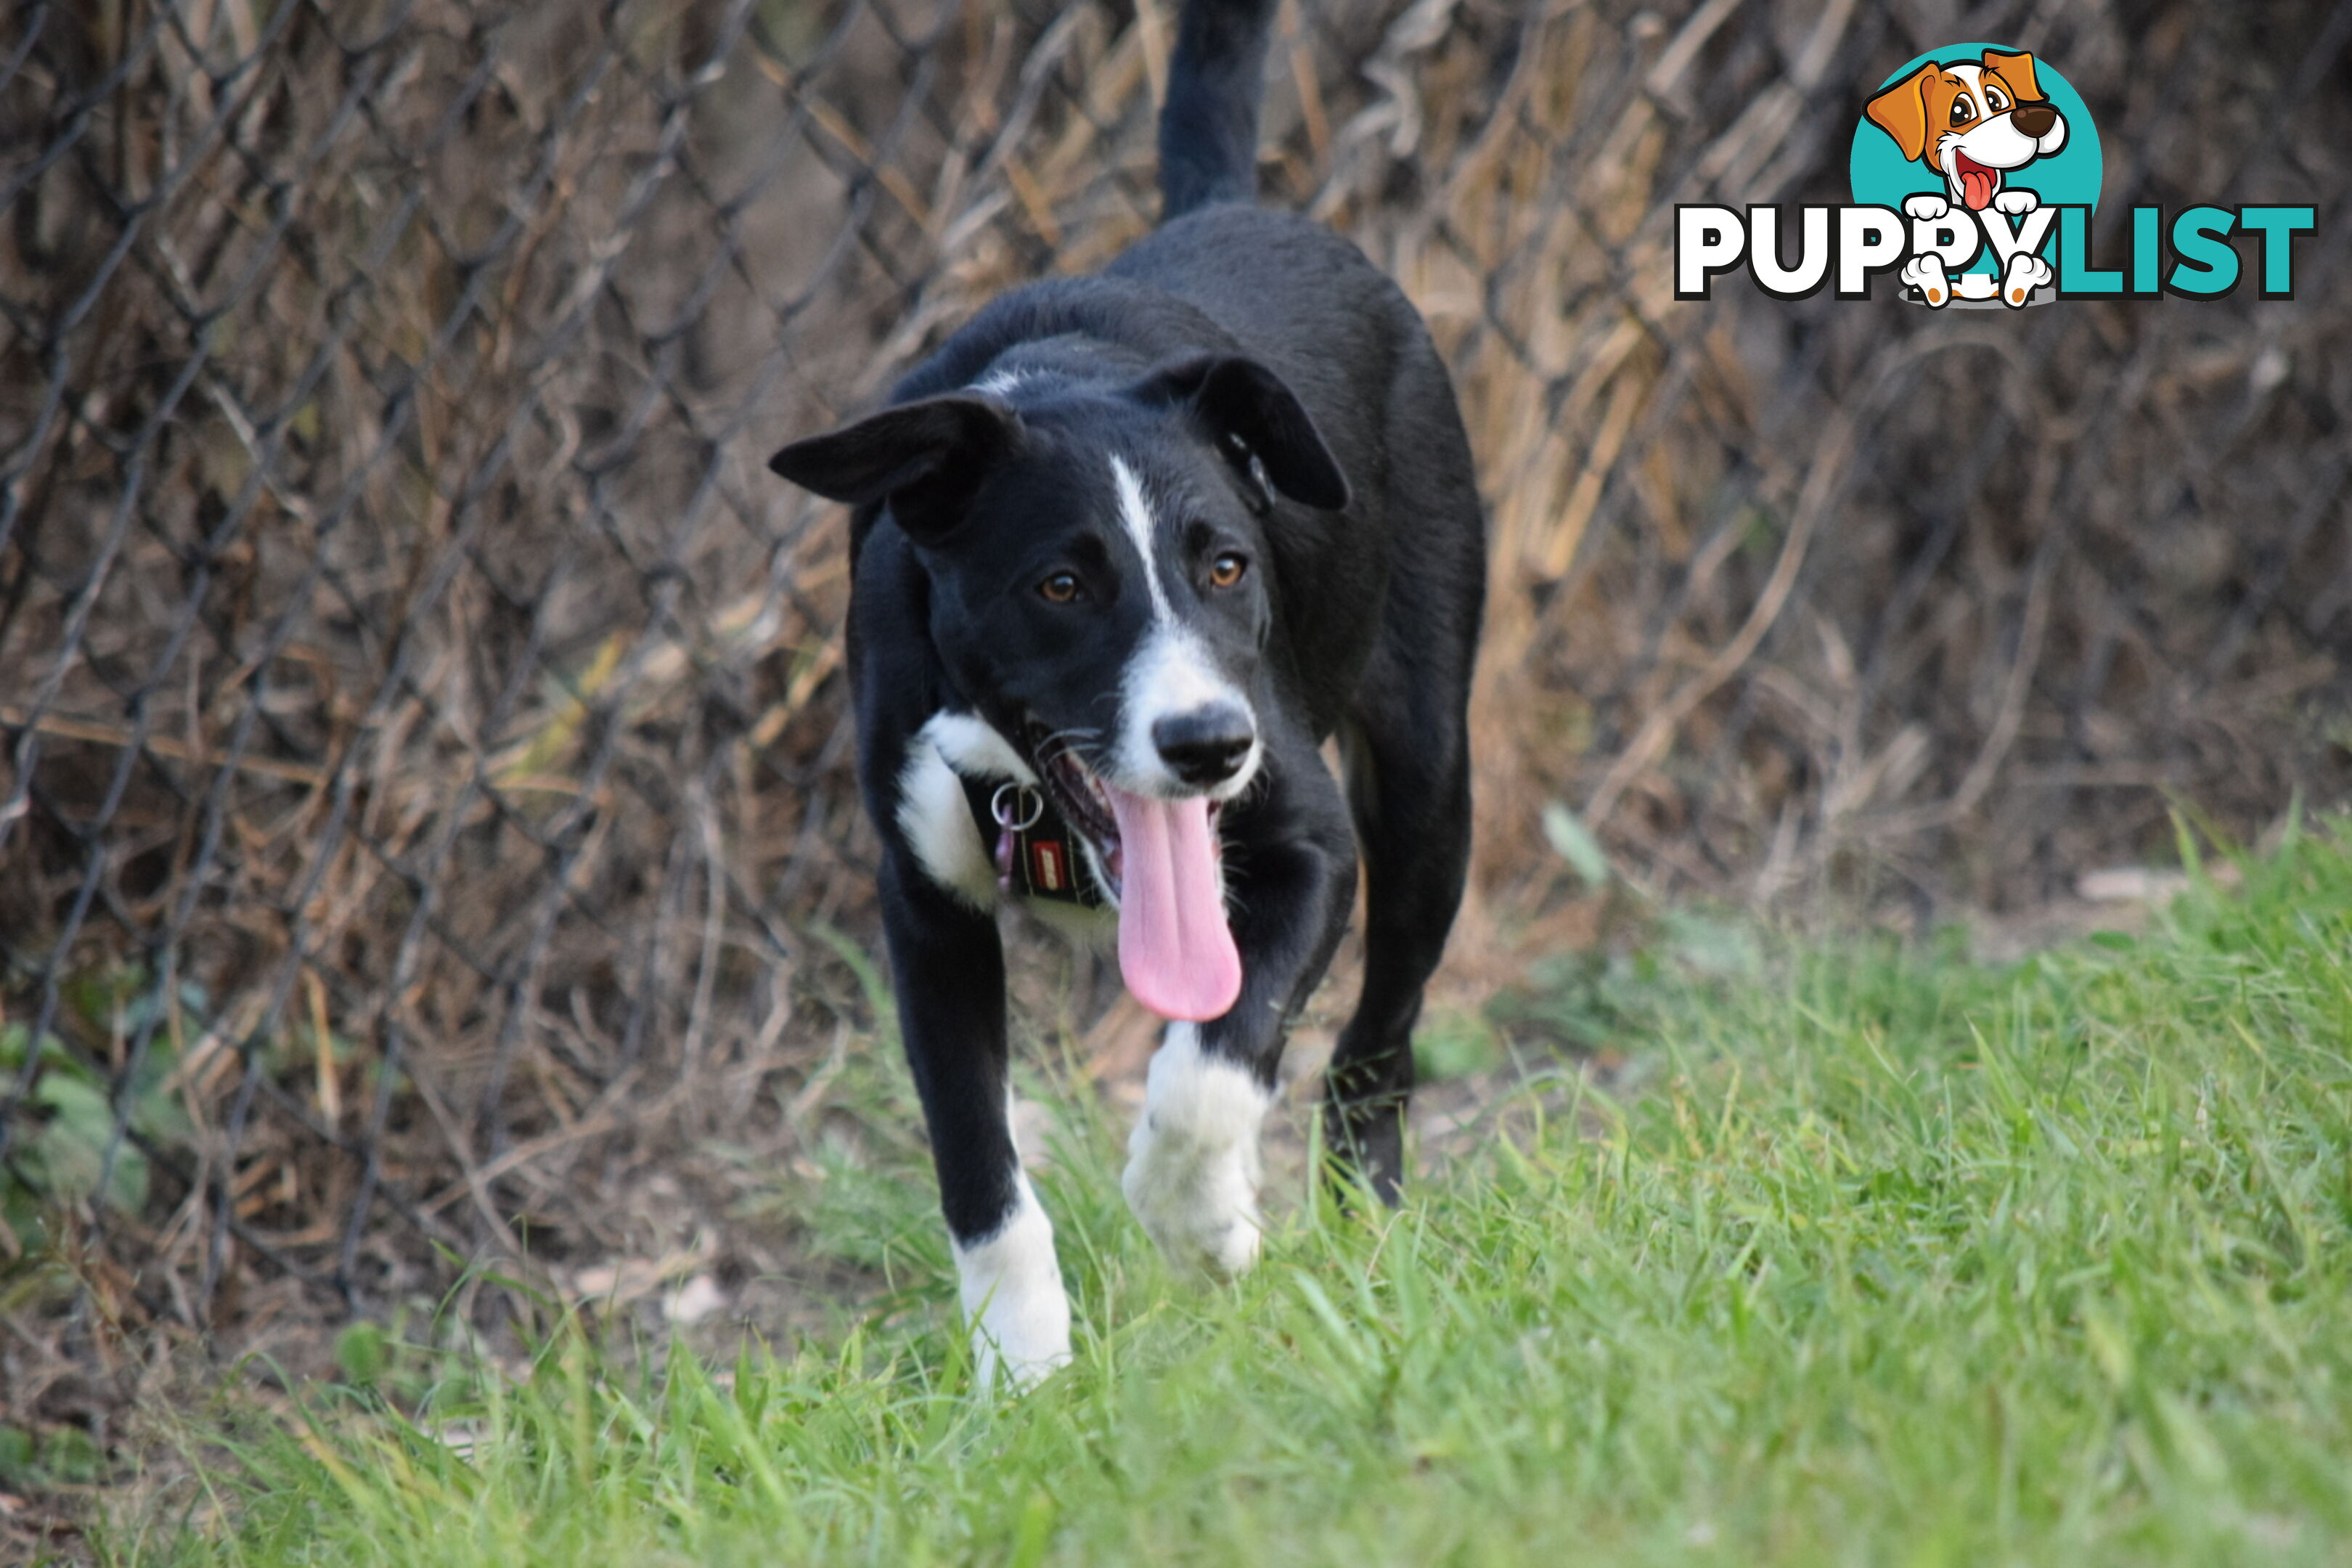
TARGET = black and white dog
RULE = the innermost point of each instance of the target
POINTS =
(1126, 550)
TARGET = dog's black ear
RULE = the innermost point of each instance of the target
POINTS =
(925, 459)
(1244, 401)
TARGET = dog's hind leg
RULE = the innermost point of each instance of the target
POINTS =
(1406, 748)
(1412, 794)
(948, 970)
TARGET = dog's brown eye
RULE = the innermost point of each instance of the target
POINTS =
(1226, 570)
(1962, 110)
(1060, 588)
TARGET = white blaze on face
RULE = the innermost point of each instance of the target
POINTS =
(1170, 672)
(1192, 1162)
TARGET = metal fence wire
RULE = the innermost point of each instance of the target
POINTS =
(425, 786)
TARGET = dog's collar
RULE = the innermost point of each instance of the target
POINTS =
(1037, 855)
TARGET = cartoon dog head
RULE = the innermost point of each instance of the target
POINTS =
(1971, 121)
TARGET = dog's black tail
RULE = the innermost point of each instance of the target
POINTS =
(1208, 130)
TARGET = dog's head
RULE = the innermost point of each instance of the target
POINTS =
(1971, 121)
(1099, 590)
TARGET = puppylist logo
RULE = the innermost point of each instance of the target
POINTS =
(1975, 171)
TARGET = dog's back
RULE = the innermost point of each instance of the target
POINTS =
(1308, 303)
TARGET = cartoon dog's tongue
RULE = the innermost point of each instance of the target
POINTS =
(1175, 948)
(1977, 183)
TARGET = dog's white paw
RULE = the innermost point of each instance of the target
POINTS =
(1003, 1349)
(1925, 273)
(1206, 1234)
(2016, 204)
(1926, 208)
(2024, 274)
(1010, 1285)
(1192, 1162)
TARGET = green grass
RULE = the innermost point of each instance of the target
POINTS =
(1892, 1258)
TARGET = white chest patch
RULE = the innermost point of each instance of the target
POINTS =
(1192, 1162)
(935, 816)
(1091, 926)
(976, 747)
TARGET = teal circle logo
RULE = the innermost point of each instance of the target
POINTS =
(1974, 124)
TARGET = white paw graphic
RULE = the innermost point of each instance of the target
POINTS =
(2024, 274)
(2016, 204)
(1926, 208)
(1925, 273)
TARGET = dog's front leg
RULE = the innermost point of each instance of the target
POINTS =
(1192, 1162)
(948, 971)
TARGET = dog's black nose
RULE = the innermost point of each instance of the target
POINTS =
(1205, 746)
(2033, 120)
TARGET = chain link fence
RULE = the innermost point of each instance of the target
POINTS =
(425, 815)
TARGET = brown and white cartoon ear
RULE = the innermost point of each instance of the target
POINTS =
(1901, 112)
(2017, 70)
(925, 459)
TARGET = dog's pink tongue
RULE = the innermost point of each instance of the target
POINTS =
(1175, 948)
(1976, 188)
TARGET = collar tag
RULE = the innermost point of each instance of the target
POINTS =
(1037, 855)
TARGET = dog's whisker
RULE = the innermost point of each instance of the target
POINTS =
(1077, 743)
